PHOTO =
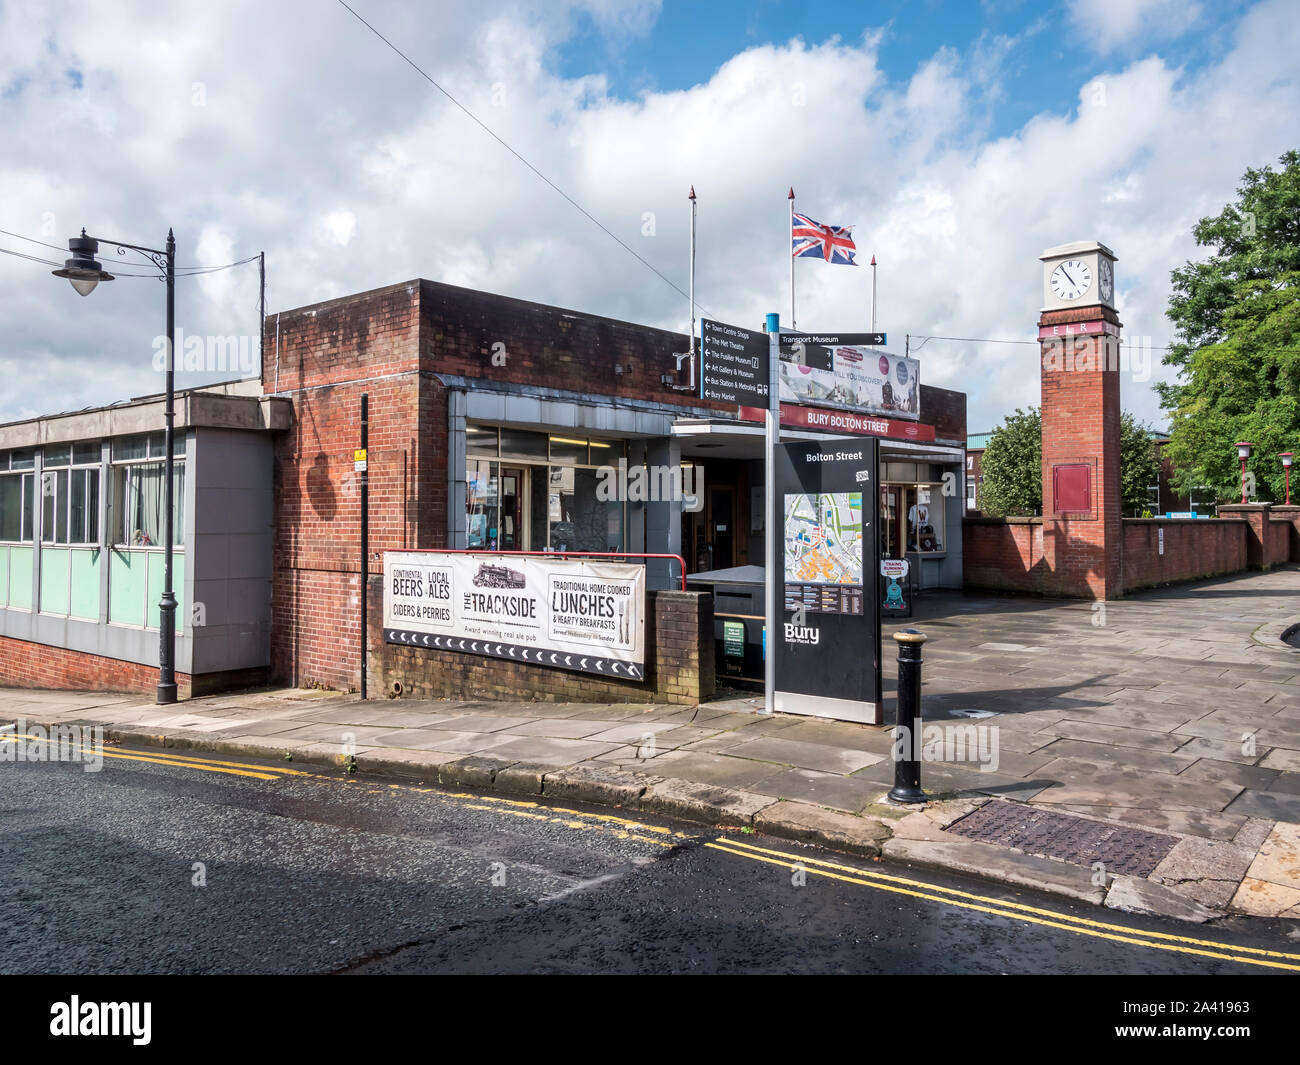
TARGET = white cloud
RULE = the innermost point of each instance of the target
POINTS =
(352, 172)
(1126, 25)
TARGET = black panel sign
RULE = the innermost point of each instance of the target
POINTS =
(828, 626)
(734, 364)
(835, 340)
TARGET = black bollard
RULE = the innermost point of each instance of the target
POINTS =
(907, 769)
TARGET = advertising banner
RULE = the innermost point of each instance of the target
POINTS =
(566, 613)
(895, 603)
(851, 378)
(827, 649)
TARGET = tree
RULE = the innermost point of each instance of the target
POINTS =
(1139, 464)
(1012, 466)
(1237, 317)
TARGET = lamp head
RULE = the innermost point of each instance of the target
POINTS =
(1243, 449)
(83, 270)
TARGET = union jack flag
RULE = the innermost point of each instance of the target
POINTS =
(834, 244)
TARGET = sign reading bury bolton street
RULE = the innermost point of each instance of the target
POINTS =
(564, 613)
(734, 364)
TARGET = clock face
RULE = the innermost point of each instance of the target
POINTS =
(1106, 281)
(1071, 279)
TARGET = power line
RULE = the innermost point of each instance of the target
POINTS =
(486, 129)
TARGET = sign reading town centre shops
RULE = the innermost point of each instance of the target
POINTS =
(564, 613)
(828, 633)
(733, 364)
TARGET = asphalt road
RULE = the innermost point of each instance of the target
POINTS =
(223, 866)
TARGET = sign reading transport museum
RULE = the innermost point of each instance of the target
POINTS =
(565, 613)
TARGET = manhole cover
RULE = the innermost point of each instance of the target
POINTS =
(1121, 849)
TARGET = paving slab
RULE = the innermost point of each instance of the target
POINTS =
(817, 756)
(547, 750)
(1010, 867)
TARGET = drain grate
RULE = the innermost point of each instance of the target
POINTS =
(1129, 851)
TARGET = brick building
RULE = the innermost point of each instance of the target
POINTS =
(494, 424)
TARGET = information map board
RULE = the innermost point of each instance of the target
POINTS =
(828, 635)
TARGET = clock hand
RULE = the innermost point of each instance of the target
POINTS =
(1066, 274)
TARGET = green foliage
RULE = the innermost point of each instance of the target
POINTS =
(1139, 464)
(1238, 351)
(1012, 467)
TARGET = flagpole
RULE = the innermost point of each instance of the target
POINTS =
(873, 293)
(790, 252)
(692, 199)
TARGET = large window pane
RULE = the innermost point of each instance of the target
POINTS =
(481, 440)
(11, 507)
(481, 504)
(54, 507)
(130, 447)
(579, 521)
(77, 507)
(522, 444)
(29, 508)
(568, 450)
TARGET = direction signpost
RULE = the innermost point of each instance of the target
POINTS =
(734, 366)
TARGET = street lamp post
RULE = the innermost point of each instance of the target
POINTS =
(1243, 453)
(1286, 457)
(86, 273)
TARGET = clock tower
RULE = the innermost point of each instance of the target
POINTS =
(1079, 349)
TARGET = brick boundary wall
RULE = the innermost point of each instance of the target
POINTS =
(1006, 554)
(679, 663)
(1003, 554)
(36, 665)
(1194, 548)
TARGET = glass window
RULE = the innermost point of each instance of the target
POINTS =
(925, 514)
(481, 440)
(60, 455)
(85, 454)
(138, 496)
(607, 452)
(481, 504)
(11, 507)
(579, 521)
(22, 460)
(70, 506)
(522, 444)
(569, 450)
(130, 447)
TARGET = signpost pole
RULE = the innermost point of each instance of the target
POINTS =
(772, 424)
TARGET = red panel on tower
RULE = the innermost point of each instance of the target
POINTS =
(1072, 489)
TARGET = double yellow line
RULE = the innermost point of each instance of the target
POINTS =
(1015, 911)
(185, 761)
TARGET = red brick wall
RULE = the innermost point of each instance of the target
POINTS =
(1003, 554)
(679, 663)
(323, 359)
(37, 665)
(1193, 549)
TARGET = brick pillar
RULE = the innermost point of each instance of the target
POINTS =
(1290, 514)
(1257, 515)
(1082, 530)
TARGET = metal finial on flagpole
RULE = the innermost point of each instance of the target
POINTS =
(873, 293)
(790, 252)
(691, 197)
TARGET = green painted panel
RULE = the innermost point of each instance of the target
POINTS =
(54, 580)
(127, 587)
(156, 587)
(85, 584)
(20, 577)
(4, 575)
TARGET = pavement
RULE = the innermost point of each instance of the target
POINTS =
(1142, 754)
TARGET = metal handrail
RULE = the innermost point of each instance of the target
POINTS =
(681, 562)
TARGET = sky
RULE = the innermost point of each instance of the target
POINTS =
(959, 140)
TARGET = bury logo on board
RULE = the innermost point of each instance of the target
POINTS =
(802, 634)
